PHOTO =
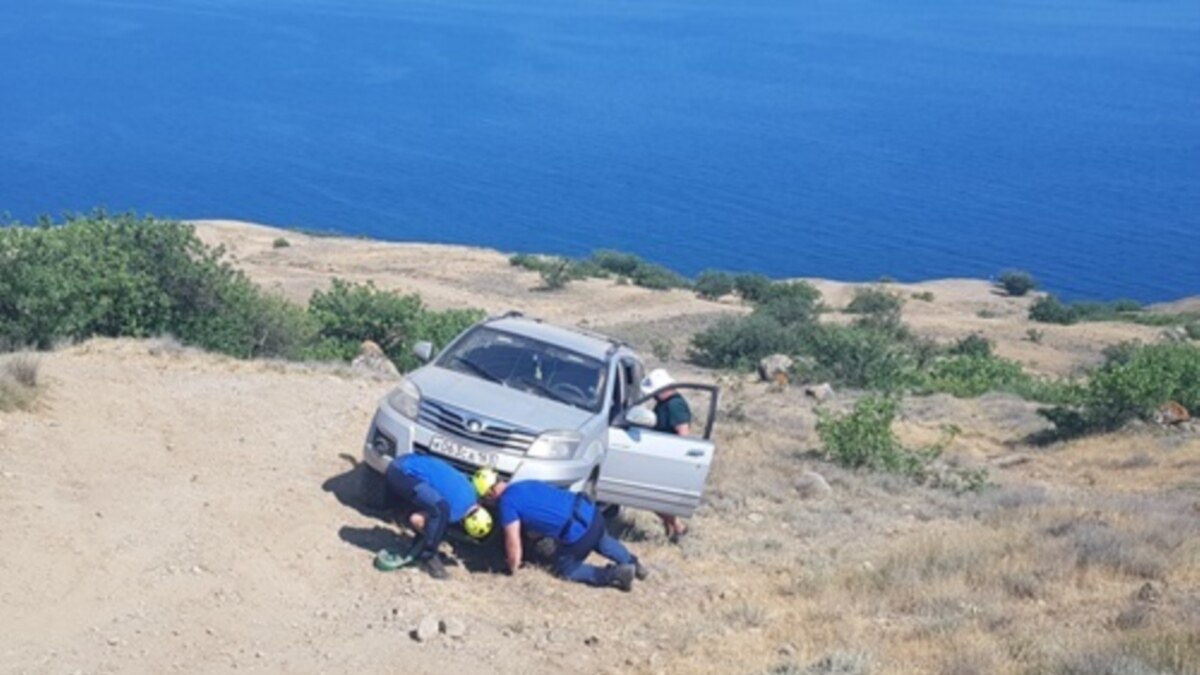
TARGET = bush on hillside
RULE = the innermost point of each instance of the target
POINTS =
(854, 356)
(974, 345)
(1049, 309)
(790, 303)
(874, 301)
(18, 381)
(1134, 382)
(1017, 282)
(130, 276)
(347, 314)
(713, 284)
(752, 288)
(740, 343)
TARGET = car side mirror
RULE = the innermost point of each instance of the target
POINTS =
(641, 417)
(423, 350)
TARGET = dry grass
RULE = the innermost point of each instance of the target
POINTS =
(19, 384)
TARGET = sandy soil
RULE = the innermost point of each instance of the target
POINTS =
(163, 509)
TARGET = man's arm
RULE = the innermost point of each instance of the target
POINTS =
(682, 429)
(512, 545)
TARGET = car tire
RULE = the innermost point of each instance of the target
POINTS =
(370, 489)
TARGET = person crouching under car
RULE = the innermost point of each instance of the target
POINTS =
(440, 496)
(570, 519)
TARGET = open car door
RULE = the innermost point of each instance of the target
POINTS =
(654, 470)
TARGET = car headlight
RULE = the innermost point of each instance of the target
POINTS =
(555, 445)
(406, 399)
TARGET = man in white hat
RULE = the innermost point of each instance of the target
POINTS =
(673, 417)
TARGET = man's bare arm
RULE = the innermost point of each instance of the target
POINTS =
(512, 545)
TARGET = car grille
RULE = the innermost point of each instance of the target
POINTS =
(453, 420)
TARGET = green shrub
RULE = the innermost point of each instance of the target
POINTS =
(1049, 309)
(1017, 282)
(864, 438)
(712, 284)
(968, 376)
(617, 262)
(860, 357)
(924, 296)
(874, 301)
(280, 242)
(973, 345)
(790, 303)
(556, 274)
(658, 278)
(1035, 335)
(128, 276)
(752, 288)
(1134, 381)
(742, 342)
(1193, 330)
(347, 314)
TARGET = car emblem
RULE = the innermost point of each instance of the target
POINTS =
(474, 426)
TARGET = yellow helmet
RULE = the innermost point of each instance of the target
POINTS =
(483, 480)
(478, 523)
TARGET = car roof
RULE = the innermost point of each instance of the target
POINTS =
(588, 344)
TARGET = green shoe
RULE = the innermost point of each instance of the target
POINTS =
(386, 561)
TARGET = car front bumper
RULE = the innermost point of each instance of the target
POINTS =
(393, 434)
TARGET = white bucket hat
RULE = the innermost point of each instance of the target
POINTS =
(657, 380)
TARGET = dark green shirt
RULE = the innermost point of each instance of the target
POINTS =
(671, 413)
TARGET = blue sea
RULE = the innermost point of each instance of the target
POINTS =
(848, 139)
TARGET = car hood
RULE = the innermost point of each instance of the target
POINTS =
(496, 401)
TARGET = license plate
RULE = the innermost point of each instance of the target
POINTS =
(450, 448)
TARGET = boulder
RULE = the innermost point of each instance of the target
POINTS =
(819, 392)
(772, 367)
(372, 361)
(812, 485)
(1172, 412)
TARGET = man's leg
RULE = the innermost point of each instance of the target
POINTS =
(435, 517)
(573, 568)
(610, 547)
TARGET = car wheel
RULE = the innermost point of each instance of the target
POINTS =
(371, 489)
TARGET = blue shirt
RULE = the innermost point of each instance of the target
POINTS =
(545, 510)
(452, 485)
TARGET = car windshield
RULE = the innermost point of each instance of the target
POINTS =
(528, 365)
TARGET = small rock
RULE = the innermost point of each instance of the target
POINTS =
(453, 628)
(1011, 460)
(113, 642)
(427, 629)
(592, 640)
(771, 367)
(1149, 593)
(372, 361)
(755, 518)
(787, 650)
(819, 392)
(812, 485)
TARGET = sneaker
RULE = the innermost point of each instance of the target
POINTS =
(623, 577)
(640, 571)
(435, 568)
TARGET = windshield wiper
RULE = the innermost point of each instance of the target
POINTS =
(478, 370)
(549, 393)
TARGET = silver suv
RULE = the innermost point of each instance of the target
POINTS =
(536, 401)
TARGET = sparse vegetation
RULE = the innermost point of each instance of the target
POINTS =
(752, 287)
(1017, 282)
(923, 296)
(18, 381)
(280, 242)
(1035, 335)
(1049, 309)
